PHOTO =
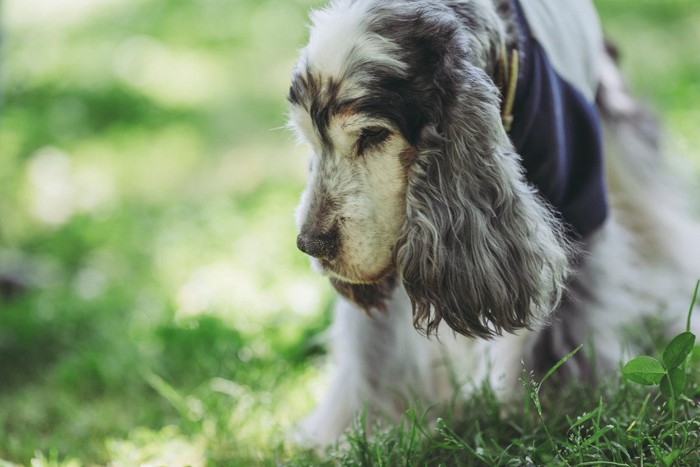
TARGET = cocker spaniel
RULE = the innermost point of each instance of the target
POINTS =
(459, 201)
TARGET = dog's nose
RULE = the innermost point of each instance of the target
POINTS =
(319, 245)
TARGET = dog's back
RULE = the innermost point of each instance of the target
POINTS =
(640, 267)
(650, 201)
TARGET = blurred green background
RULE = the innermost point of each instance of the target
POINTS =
(153, 305)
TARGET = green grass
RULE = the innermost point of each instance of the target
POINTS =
(153, 306)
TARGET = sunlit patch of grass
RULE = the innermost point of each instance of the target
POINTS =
(163, 447)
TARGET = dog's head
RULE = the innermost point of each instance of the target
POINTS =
(412, 174)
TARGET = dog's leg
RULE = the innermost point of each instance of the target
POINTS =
(381, 363)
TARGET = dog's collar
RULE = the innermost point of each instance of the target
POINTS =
(507, 80)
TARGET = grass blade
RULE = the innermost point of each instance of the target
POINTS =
(692, 304)
(560, 363)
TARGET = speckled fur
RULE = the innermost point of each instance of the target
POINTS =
(438, 230)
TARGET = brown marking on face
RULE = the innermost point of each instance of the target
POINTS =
(345, 110)
(407, 157)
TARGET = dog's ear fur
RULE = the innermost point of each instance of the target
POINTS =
(479, 249)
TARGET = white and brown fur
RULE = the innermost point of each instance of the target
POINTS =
(446, 260)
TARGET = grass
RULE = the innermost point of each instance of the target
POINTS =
(613, 423)
(620, 425)
(153, 306)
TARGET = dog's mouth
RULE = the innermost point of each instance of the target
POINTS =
(327, 268)
(337, 270)
(334, 269)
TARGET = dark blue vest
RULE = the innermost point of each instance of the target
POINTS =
(558, 134)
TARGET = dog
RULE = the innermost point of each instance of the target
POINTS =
(460, 204)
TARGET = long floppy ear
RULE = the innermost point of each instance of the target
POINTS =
(479, 249)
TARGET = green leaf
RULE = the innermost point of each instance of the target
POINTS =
(644, 370)
(674, 379)
(546, 451)
(671, 457)
(678, 349)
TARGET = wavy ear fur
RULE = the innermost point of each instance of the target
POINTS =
(479, 249)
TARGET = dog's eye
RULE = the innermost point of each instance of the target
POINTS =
(371, 137)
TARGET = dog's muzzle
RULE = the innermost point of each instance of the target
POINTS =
(319, 245)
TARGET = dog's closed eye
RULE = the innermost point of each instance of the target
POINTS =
(371, 138)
